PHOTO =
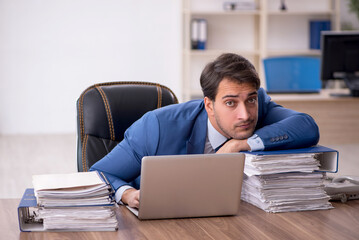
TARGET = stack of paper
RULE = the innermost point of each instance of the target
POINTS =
(79, 218)
(74, 202)
(75, 189)
(285, 182)
(281, 163)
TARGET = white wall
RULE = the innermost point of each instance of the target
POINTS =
(51, 50)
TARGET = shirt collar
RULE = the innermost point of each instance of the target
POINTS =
(215, 138)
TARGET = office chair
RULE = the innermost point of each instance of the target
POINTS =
(288, 74)
(106, 110)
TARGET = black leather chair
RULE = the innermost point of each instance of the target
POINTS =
(106, 110)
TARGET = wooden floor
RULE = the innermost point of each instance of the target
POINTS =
(23, 156)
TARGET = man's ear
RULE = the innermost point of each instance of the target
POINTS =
(208, 104)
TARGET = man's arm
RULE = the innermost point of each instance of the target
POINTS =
(253, 143)
(123, 164)
(234, 145)
(282, 128)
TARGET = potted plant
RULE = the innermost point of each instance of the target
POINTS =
(354, 7)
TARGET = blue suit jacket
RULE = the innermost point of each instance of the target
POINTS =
(182, 129)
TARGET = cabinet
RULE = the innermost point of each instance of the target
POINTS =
(255, 34)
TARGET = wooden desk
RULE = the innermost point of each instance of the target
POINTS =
(250, 223)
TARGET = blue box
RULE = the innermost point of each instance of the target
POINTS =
(292, 74)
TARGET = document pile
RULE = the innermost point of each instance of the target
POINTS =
(70, 202)
(285, 182)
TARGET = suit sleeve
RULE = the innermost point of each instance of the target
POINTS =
(282, 128)
(123, 164)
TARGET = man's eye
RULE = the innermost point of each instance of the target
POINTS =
(252, 100)
(229, 103)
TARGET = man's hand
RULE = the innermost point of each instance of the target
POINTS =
(131, 197)
(234, 145)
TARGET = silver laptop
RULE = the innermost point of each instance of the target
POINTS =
(181, 186)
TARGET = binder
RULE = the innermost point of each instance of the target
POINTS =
(202, 37)
(68, 202)
(198, 34)
(288, 180)
(30, 222)
(316, 26)
(327, 157)
(26, 213)
(194, 34)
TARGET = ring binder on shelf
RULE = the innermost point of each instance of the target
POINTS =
(198, 34)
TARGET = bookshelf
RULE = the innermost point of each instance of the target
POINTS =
(256, 34)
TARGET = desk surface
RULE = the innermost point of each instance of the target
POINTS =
(323, 95)
(342, 222)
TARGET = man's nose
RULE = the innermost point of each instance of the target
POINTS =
(242, 112)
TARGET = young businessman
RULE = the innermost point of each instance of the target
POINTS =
(235, 115)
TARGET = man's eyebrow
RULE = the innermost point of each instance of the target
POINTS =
(230, 96)
(253, 93)
(235, 96)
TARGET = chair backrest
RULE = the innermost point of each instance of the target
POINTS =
(106, 110)
(292, 74)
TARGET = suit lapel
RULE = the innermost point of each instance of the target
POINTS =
(195, 144)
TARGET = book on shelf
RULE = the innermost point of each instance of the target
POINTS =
(288, 180)
(68, 202)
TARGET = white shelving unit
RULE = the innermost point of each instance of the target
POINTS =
(255, 34)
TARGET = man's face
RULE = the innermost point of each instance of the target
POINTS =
(234, 112)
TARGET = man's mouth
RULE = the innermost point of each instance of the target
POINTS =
(244, 125)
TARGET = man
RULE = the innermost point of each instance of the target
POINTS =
(235, 115)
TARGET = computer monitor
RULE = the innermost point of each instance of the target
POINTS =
(340, 58)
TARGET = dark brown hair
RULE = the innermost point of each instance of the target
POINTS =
(231, 66)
